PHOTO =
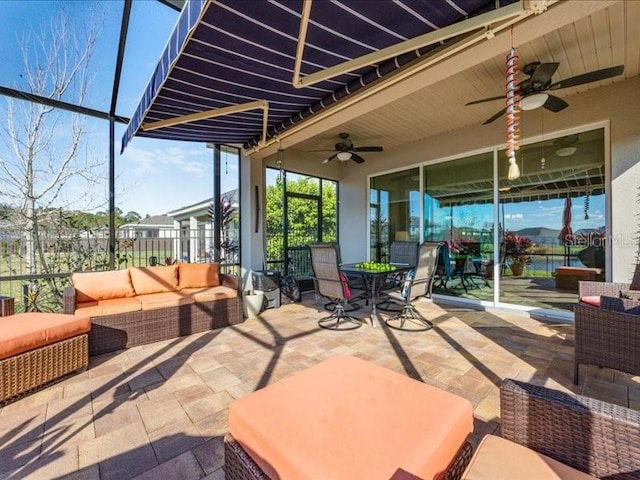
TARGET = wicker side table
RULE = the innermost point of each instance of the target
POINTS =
(7, 306)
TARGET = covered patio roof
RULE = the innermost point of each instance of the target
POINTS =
(242, 75)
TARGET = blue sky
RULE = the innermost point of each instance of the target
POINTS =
(153, 176)
(528, 214)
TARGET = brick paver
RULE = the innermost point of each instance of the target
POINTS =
(160, 411)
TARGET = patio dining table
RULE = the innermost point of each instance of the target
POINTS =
(373, 279)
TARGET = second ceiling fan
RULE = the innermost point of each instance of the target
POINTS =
(345, 151)
(533, 90)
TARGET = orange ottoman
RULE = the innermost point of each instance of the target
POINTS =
(346, 419)
(36, 348)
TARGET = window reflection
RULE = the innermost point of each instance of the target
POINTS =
(553, 220)
(394, 211)
(550, 230)
(458, 210)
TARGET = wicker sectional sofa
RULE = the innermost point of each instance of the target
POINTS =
(143, 305)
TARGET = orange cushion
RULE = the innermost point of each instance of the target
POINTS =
(108, 307)
(94, 286)
(153, 301)
(347, 418)
(193, 275)
(208, 294)
(27, 331)
(154, 279)
(591, 300)
(499, 458)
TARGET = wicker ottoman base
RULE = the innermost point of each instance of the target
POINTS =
(27, 371)
(238, 465)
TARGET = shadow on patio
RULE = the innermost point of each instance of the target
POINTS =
(160, 409)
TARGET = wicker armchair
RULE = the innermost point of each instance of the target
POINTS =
(592, 436)
(607, 336)
(611, 289)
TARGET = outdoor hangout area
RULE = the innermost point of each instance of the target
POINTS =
(303, 239)
(163, 410)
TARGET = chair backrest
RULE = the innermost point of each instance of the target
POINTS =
(425, 270)
(324, 262)
(402, 251)
(635, 281)
(443, 265)
(472, 248)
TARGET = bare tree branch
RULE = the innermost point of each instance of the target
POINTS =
(45, 150)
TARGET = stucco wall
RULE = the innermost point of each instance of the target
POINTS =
(618, 104)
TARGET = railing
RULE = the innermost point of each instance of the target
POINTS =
(39, 286)
(296, 256)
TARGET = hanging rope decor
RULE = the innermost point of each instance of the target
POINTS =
(512, 119)
(586, 200)
(280, 163)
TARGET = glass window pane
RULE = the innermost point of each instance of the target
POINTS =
(561, 184)
(274, 218)
(394, 210)
(329, 211)
(458, 210)
(300, 210)
(297, 183)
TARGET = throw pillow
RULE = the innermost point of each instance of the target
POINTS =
(406, 288)
(345, 286)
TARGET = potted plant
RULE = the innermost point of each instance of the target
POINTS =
(517, 253)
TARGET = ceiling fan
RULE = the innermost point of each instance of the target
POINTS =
(566, 146)
(533, 90)
(345, 150)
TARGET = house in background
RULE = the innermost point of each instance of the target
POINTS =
(156, 226)
(194, 242)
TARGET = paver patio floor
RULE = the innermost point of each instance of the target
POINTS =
(160, 411)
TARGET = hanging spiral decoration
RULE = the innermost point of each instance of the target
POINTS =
(587, 193)
(512, 118)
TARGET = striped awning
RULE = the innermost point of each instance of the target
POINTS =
(236, 60)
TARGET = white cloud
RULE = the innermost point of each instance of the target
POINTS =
(168, 161)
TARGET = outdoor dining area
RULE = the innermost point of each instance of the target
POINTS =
(372, 284)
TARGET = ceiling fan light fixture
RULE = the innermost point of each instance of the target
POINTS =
(344, 156)
(566, 151)
(531, 102)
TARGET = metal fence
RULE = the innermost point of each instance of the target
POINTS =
(37, 284)
(294, 258)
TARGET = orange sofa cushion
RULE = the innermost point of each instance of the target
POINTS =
(153, 301)
(347, 418)
(95, 286)
(113, 306)
(27, 331)
(192, 275)
(154, 279)
(208, 294)
(500, 458)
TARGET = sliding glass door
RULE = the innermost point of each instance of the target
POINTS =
(553, 220)
(546, 232)
(458, 211)
(394, 211)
